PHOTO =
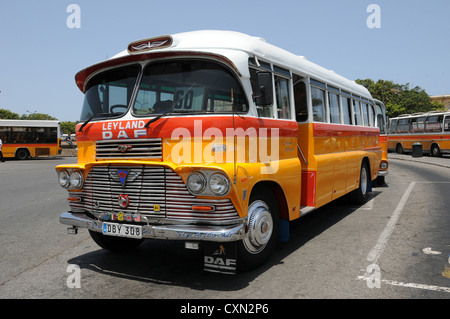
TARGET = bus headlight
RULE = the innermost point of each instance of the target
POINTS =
(219, 184)
(76, 180)
(63, 179)
(196, 183)
(383, 165)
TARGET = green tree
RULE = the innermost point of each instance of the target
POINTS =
(399, 98)
(8, 115)
(68, 127)
(37, 116)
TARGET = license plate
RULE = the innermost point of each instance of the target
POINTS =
(122, 230)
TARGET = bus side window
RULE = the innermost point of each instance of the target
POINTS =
(357, 111)
(433, 124)
(380, 123)
(335, 114)
(301, 105)
(371, 114)
(282, 94)
(365, 115)
(393, 126)
(447, 124)
(347, 110)
(318, 104)
(403, 126)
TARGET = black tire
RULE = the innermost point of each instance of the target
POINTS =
(360, 195)
(263, 219)
(435, 151)
(22, 154)
(115, 244)
(399, 149)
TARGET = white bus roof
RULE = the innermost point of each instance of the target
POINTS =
(217, 41)
(29, 123)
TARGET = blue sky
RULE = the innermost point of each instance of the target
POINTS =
(40, 55)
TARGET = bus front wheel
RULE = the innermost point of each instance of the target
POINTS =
(263, 220)
(22, 154)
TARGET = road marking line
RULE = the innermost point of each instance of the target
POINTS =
(410, 285)
(376, 251)
(428, 251)
(418, 286)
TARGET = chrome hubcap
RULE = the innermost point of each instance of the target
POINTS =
(260, 227)
(364, 182)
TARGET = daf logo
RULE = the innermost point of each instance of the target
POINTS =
(124, 201)
(124, 148)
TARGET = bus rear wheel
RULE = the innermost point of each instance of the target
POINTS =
(263, 221)
(360, 195)
(435, 151)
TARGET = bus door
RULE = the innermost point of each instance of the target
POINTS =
(304, 145)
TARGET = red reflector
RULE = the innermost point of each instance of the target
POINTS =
(74, 199)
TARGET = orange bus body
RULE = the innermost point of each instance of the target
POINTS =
(430, 130)
(231, 162)
(28, 138)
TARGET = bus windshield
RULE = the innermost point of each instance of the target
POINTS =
(109, 93)
(188, 86)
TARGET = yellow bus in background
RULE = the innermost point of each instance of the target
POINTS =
(431, 130)
(217, 139)
(30, 138)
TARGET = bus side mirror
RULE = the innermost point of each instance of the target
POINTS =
(264, 82)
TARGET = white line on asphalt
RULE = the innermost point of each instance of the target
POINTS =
(376, 251)
(409, 285)
(419, 286)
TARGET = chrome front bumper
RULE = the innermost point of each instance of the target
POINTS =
(173, 232)
(383, 173)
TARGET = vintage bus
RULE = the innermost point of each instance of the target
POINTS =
(382, 124)
(30, 138)
(431, 130)
(218, 139)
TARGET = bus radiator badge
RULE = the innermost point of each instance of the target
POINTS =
(124, 201)
(124, 176)
(124, 148)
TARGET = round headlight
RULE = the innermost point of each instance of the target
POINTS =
(196, 183)
(63, 179)
(76, 179)
(219, 184)
(383, 165)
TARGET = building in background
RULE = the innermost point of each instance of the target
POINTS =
(444, 99)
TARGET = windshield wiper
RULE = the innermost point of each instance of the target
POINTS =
(184, 112)
(156, 118)
(92, 117)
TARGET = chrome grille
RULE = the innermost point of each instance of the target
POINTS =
(146, 187)
(135, 148)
